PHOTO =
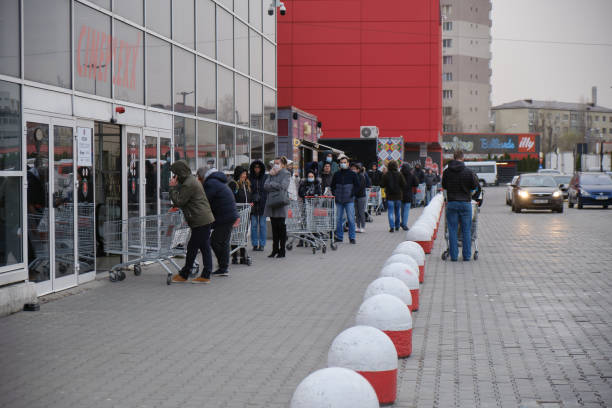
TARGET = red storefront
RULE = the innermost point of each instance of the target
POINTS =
(359, 63)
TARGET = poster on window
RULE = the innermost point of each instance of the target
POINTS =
(84, 157)
(389, 148)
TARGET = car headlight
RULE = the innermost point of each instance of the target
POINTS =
(523, 194)
(557, 194)
(584, 192)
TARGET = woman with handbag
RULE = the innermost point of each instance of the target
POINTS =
(277, 205)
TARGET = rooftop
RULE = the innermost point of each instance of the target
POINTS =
(552, 105)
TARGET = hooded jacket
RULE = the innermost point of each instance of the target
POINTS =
(334, 165)
(393, 182)
(344, 186)
(309, 188)
(458, 181)
(189, 196)
(411, 181)
(221, 198)
(242, 194)
(420, 174)
(277, 182)
(375, 176)
(258, 193)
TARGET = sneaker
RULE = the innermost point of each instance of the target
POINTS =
(221, 272)
(405, 228)
(179, 279)
(353, 241)
(200, 280)
(358, 230)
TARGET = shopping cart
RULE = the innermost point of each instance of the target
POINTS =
(374, 203)
(321, 220)
(240, 233)
(419, 197)
(154, 238)
(297, 227)
(476, 202)
(86, 235)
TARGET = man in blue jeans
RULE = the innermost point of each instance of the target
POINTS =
(459, 182)
(344, 185)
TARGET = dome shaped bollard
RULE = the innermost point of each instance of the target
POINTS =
(416, 251)
(409, 276)
(409, 260)
(422, 236)
(390, 286)
(334, 387)
(372, 354)
(389, 314)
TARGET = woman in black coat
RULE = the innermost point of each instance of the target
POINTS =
(407, 193)
(241, 187)
(257, 177)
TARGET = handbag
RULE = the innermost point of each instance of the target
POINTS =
(277, 199)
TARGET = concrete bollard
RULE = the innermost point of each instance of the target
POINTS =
(372, 354)
(422, 236)
(409, 260)
(416, 251)
(334, 387)
(389, 314)
(409, 276)
(390, 286)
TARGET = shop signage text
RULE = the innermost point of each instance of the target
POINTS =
(491, 143)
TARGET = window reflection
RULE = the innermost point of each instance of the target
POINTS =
(242, 100)
(206, 28)
(63, 201)
(158, 16)
(132, 10)
(255, 13)
(269, 24)
(184, 81)
(207, 144)
(269, 64)
(10, 221)
(269, 149)
(159, 79)
(225, 37)
(10, 126)
(241, 46)
(256, 146)
(255, 55)
(184, 24)
(269, 109)
(207, 89)
(226, 148)
(185, 141)
(256, 105)
(242, 148)
(9, 32)
(225, 94)
(128, 67)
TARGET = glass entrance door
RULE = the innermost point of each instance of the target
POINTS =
(157, 161)
(51, 203)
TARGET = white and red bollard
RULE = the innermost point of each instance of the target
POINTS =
(390, 286)
(372, 354)
(334, 387)
(389, 314)
(409, 260)
(422, 235)
(409, 276)
(416, 251)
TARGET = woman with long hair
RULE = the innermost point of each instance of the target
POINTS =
(277, 185)
(241, 187)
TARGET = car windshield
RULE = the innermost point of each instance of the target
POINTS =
(537, 181)
(562, 179)
(596, 179)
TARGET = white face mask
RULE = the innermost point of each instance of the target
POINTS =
(276, 166)
(344, 165)
(311, 179)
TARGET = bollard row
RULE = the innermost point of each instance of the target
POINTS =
(362, 360)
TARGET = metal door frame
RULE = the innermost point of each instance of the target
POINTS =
(90, 124)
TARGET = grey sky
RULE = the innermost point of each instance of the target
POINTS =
(546, 70)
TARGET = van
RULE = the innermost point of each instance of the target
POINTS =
(485, 170)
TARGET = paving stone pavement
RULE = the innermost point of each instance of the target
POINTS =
(528, 324)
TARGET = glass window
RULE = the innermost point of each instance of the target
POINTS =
(269, 24)
(185, 141)
(158, 16)
(255, 54)
(242, 148)
(207, 144)
(269, 149)
(207, 89)
(10, 126)
(256, 146)
(256, 105)
(9, 32)
(228, 3)
(255, 13)
(184, 23)
(269, 64)
(225, 37)
(102, 3)
(241, 47)
(10, 221)
(225, 94)
(92, 58)
(132, 10)
(206, 28)
(47, 41)
(128, 67)
(241, 9)
(159, 77)
(226, 148)
(63, 201)
(184, 81)
(269, 101)
(242, 100)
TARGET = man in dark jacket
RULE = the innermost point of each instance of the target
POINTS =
(223, 207)
(375, 174)
(187, 194)
(361, 200)
(459, 181)
(429, 183)
(328, 157)
(326, 177)
(257, 177)
(407, 193)
(419, 173)
(345, 184)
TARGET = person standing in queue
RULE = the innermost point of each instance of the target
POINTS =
(407, 193)
(326, 178)
(277, 205)
(328, 157)
(188, 195)
(223, 206)
(241, 187)
(360, 197)
(393, 183)
(257, 177)
(345, 184)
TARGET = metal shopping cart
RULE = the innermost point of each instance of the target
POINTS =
(154, 238)
(240, 233)
(374, 203)
(297, 226)
(419, 197)
(321, 220)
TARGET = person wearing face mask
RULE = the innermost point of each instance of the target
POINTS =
(310, 186)
(360, 197)
(328, 157)
(277, 185)
(345, 184)
(258, 177)
(241, 187)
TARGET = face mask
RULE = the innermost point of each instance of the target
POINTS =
(344, 165)
(328, 159)
(277, 166)
(311, 179)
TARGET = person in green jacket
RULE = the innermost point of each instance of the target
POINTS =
(187, 193)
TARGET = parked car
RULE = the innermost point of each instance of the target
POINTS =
(537, 192)
(590, 188)
(485, 170)
(563, 181)
(549, 171)
(509, 190)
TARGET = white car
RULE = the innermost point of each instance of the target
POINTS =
(509, 190)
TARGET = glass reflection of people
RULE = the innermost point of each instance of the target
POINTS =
(151, 186)
(10, 225)
(37, 177)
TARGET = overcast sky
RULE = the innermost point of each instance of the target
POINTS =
(543, 49)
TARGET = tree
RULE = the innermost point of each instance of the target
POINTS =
(567, 142)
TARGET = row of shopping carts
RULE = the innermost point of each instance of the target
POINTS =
(312, 221)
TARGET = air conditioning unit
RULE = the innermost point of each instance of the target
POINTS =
(368, 132)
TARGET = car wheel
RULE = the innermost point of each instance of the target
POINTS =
(580, 206)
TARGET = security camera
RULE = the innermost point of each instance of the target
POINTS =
(283, 9)
(271, 11)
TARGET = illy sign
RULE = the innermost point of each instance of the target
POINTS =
(526, 144)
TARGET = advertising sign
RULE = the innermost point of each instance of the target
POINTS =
(491, 143)
(389, 148)
(84, 156)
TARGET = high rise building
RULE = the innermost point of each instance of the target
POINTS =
(466, 65)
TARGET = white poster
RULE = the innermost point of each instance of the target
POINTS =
(423, 150)
(84, 157)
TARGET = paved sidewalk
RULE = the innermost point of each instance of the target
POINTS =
(528, 324)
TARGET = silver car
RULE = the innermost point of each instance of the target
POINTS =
(509, 190)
